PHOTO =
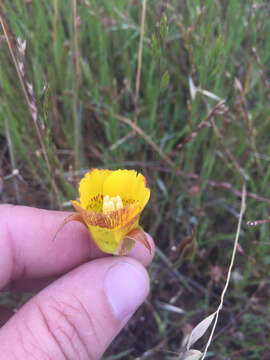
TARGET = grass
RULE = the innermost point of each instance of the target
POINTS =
(95, 108)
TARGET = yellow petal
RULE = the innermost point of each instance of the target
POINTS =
(91, 188)
(129, 185)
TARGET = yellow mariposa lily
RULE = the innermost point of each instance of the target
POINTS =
(110, 205)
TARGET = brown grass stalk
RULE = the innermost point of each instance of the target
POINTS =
(230, 156)
(139, 66)
(228, 278)
(248, 119)
(261, 71)
(76, 86)
(55, 20)
(138, 73)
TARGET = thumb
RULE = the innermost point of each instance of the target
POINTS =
(78, 315)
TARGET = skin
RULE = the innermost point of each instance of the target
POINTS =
(84, 297)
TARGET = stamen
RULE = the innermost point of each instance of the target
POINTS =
(112, 203)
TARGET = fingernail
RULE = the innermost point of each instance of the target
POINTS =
(126, 287)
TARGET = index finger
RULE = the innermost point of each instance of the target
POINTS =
(27, 249)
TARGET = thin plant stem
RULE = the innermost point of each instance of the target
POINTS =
(242, 211)
(76, 87)
(235, 163)
(55, 20)
(139, 66)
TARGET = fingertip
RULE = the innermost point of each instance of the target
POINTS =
(126, 285)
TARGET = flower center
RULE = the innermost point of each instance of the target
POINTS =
(111, 203)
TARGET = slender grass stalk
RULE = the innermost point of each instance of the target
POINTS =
(55, 20)
(242, 211)
(76, 87)
(229, 154)
(140, 53)
(262, 72)
(138, 74)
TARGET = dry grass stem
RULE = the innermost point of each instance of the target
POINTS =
(249, 123)
(262, 73)
(139, 66)
(239, 169)
(138, 73)
(242, 211)
(55, 20)
(76, 86)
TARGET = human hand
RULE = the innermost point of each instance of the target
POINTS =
(77, 315)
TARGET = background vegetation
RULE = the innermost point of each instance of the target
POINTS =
(180, 94)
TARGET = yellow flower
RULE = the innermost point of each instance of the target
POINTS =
(110, 205)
